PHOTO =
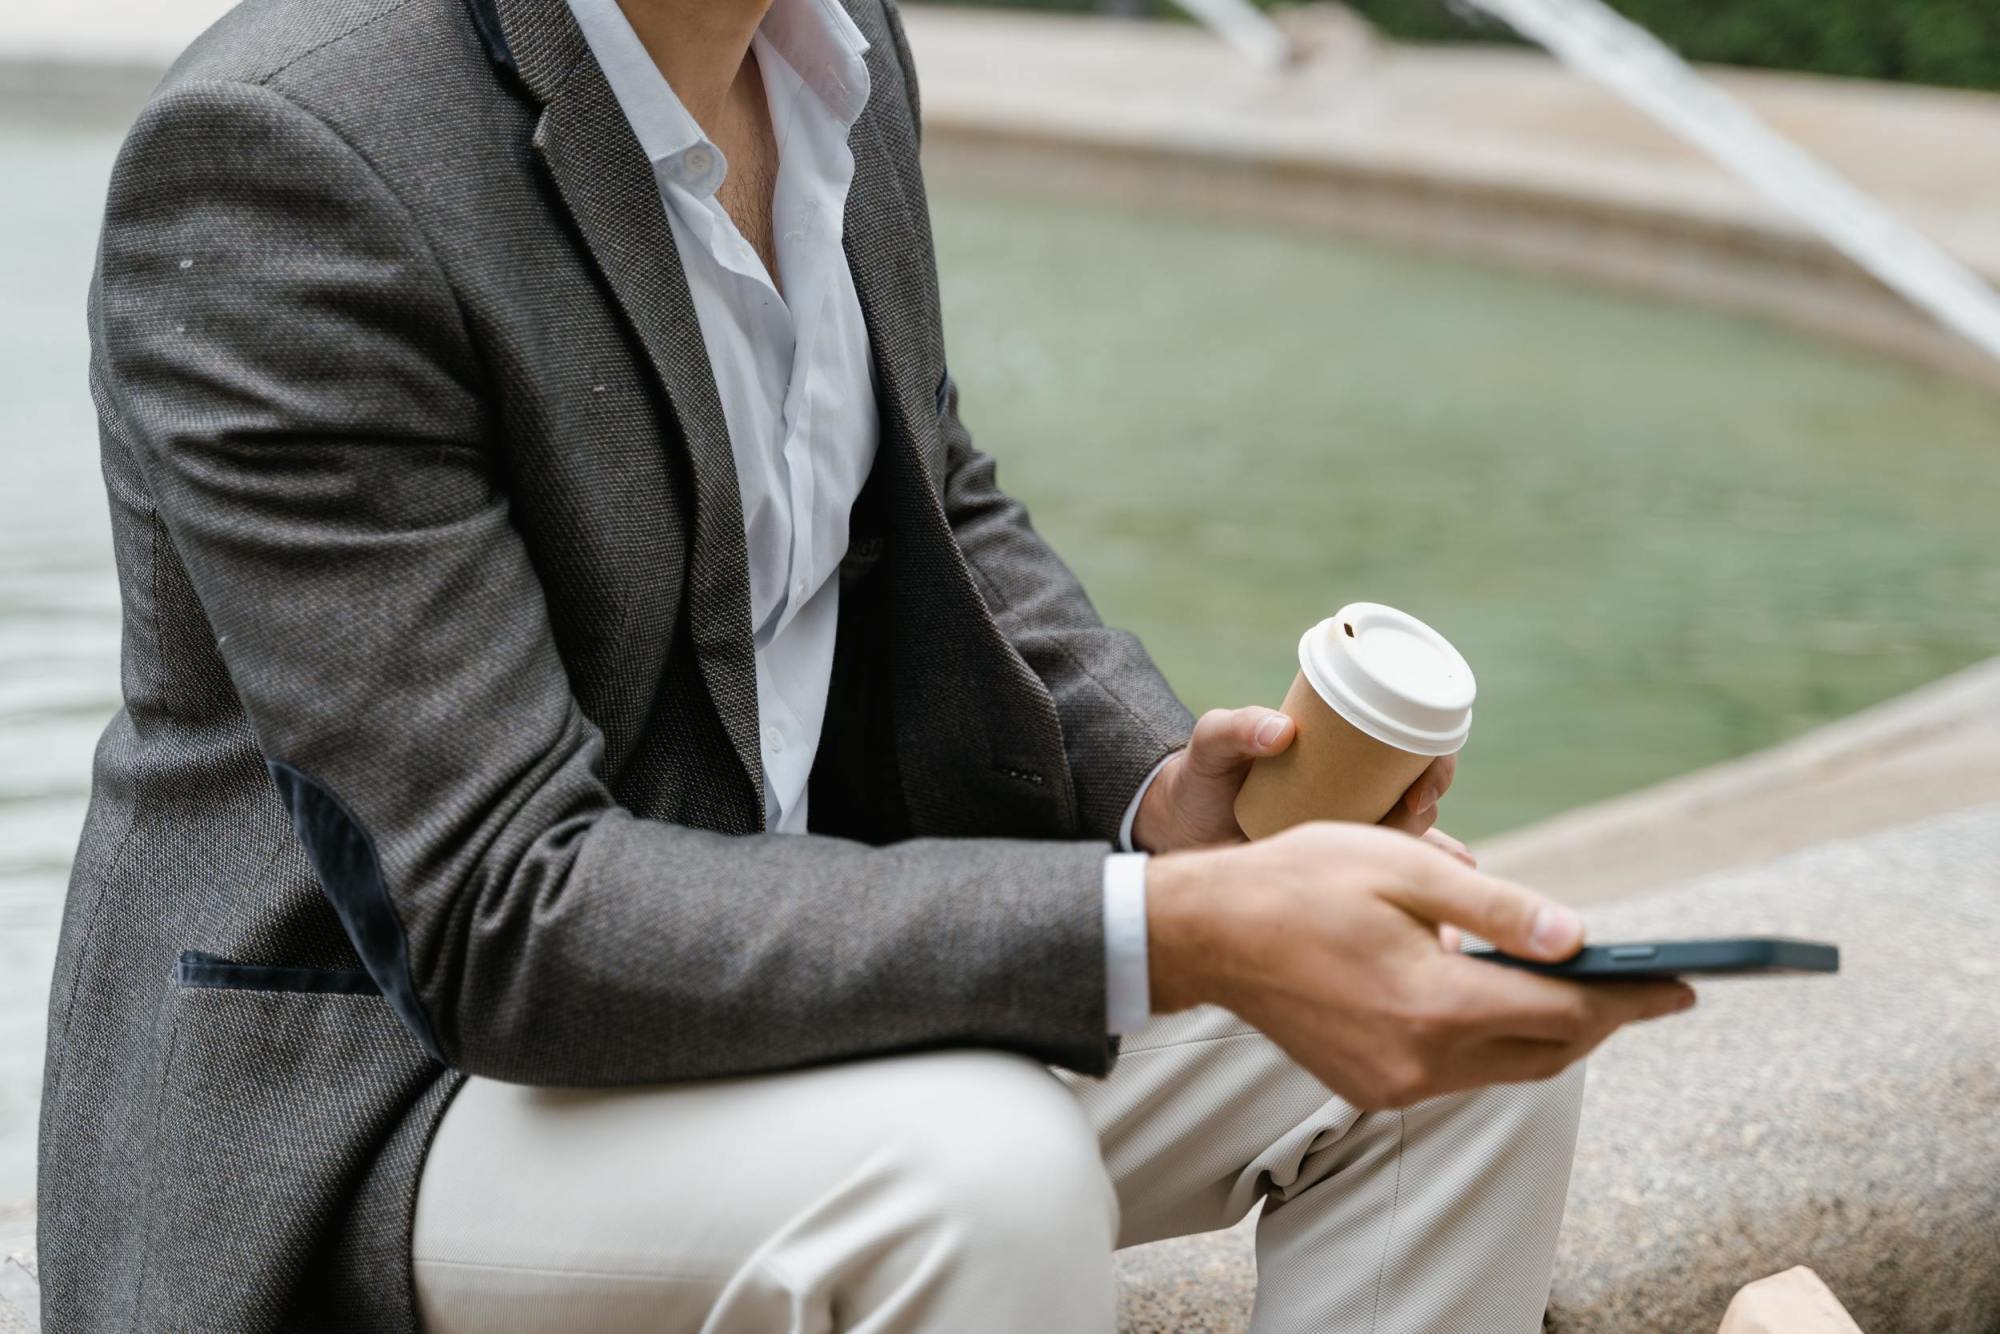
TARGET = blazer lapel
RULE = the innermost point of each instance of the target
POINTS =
(608, 186)
(890, 258)
(950, 654)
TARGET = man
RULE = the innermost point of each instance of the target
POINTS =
(613, 820)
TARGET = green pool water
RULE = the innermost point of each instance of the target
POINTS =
(1661, 536)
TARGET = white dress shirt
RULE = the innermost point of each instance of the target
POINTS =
(793, 373)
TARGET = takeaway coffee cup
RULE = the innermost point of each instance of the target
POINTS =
(1378, 696)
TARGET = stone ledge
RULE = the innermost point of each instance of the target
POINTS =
(1851, 1124)
(20, 1298)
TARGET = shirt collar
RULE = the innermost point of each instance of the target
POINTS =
(817, 38)
(820, 41)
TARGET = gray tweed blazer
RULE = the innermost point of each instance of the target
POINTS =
(438, 750)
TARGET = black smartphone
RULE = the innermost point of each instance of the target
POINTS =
(1730, 956)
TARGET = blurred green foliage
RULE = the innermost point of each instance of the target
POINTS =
(1949, 42)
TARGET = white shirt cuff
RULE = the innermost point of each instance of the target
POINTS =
(1128, 999)
(1132, 811)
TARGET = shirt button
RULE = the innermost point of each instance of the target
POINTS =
(799, 589)
(697, 160)
(774, 740)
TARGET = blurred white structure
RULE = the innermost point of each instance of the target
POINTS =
(1245, 27)
(1598, 43)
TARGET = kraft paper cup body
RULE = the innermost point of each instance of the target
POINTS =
(1378, 696)
(1332, 771)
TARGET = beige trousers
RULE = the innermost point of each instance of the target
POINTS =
(971, 1191)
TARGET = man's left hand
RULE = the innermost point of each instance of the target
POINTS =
(1192, 803)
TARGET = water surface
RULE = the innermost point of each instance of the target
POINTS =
(1661, 536)
(58, 600)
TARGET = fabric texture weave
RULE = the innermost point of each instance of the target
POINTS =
(423, 503)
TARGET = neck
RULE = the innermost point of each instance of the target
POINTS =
(699, 45)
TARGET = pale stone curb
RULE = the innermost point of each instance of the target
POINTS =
(1933, 750)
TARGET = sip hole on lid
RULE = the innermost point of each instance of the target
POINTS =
(1392, 676)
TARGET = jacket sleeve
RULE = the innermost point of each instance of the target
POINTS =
(277, 345)
(1119, 716)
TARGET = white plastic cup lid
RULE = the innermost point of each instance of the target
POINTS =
(1392, 676)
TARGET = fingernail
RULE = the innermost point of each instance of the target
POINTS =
(1556, 929)
(1269, 731)
(1422, 800)
(1686, 1002)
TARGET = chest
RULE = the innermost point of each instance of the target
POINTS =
(744, 134)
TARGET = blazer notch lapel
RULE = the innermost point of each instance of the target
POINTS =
(606, 182)
(886, 234)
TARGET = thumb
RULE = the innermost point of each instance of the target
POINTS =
(1225, 740)
(1517, 920)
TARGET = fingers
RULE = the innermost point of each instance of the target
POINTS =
(1619, 1003)
(1521, 1060)
(1538, 1031)
(1517, 920)
(1404, 820)
(1409, 821)
(1511, 1060)
(1510, 1003)
(1514, 1058)
(1431, 785)
(1225, 740)
(1437, 838)
(1417, 810)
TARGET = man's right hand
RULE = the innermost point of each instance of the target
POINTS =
(1325, 937)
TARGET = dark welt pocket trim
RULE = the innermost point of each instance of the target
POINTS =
(344, 857)
(196, 969)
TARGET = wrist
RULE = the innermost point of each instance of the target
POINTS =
(1152, 822)
(1187, 919)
